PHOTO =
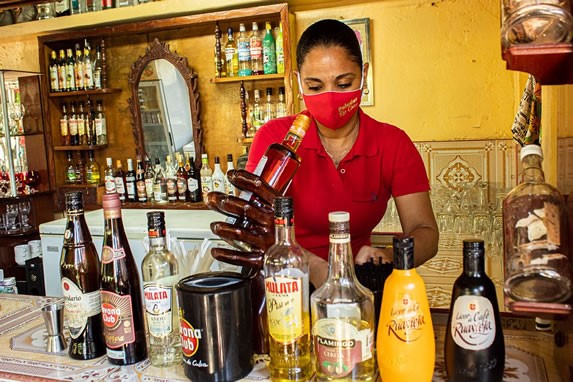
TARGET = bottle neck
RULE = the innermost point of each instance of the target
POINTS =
(340, 259)
(474, 265)
(284, 230)
(77, 231)
(532, 170)
(114, 233)
(158, 243)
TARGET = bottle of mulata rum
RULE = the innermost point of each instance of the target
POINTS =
(405, 344)
(121, 302)
(287, 291)
(80, 269)
(342, 314)
(160, 272)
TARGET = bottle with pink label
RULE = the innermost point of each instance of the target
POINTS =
(474, 346)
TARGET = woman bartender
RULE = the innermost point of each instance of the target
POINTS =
(349, 162)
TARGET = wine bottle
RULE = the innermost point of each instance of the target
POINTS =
(194, 182)
(160, 272)
(342, 314)
(536, 258)
(130, 181)
(64, 126)
(405, 343)
(80, 271)
(73, 125)
(121, 302)
(182, 191)
(474, 346)
(287, 290)
(277, 167)
(54, 83)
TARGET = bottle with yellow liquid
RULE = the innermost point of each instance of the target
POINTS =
(287, 291)
(342, 312)
(405, 345)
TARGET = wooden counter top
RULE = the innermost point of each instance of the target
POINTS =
(529, 353)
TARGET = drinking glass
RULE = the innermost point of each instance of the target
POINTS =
(16, 112)
(25, 207)
(11, 217)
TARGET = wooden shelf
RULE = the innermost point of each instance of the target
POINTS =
(80, 147)
(262, 77)
(166, 205)
(80, 93)
(81, 185)
(550, 64)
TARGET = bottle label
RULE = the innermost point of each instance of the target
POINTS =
(73, 124)
(218, 184)
(256, 49)
(157, 192)
(81, 127)
(192, 184)
(339, 346)
(99, 126)
(339, 238)
(407, 321)
(473, 323)
(159, 309)
(182, 186)
(229, 53)
(244, 50)
(109, 184)
(149, 187)
(71, 175)
(119, 185)
(284, 308)
(190, 338)
(79, 306)
(97, 75)
(88, 73)
(172, 187)
(141, 193)
(206, 184)
(64, 127)
(109, 254)
(54, 78)
(117, 315)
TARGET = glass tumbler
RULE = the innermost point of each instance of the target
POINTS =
(535, 22)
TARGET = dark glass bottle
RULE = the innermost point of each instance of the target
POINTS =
(130, 182)
(120, 181)
(194, 182)
(140, 182)
(474, 345)
(80, 270)
(122, 305)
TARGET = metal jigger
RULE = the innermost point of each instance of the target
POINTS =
(54, 319)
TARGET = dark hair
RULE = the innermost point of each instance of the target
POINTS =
(327, 33)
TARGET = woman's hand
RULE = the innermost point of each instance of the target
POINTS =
(366, 253)
(259, 234)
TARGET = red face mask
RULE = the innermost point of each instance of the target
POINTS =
(333, 109)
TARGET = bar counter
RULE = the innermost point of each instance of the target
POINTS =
(529, 353)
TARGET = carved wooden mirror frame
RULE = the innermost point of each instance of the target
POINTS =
(160, 50)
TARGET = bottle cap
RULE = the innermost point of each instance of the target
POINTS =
(155, 219)
(543, 324)
(531, 150)
(338, 217)
(110, 201)
(74, 201)
(283, 205)
(269, 91)
(203, 156)
(403, 252)
(217, 160)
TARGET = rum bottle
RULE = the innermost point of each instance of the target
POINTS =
(54, 83)
(88, 67)
(119, 179)
(81, 121)
(194, 182)
(121, 302)
(73, 125)
(229, 187)
(80, 271)
(405, 343)
(218, 177)
(159, 185)
(100, 124)
(535, 237)
(287, 292)
(474, 346)
(149, 179)
(64, 126)
(170, 179)
(256, 47)
(160, 272)
(70, 74)
(62, 72)
(130, 182)
(79, 68)
(342, 314)
(140, 182)
(206, 176)
(109, 177)
(182, 191)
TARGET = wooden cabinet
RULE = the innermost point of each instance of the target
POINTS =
(192, 37)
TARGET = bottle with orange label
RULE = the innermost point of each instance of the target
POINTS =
(121, 303)
(405, 345)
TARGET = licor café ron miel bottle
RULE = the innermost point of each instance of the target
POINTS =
(80, 270)
(405, 344)
(287, 293)
(121, 302)
(160, 271)
(474, 348)
(342, 312)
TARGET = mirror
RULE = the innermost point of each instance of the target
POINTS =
(165, 104)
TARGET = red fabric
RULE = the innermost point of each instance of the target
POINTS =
(383, 162)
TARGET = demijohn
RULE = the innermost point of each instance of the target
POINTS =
(80, 269)
(121, 302)
(474, 346)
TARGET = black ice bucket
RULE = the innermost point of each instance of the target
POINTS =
(216, 324)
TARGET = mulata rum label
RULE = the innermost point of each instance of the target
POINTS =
(406, 321)
(473, 323)
(284, 307)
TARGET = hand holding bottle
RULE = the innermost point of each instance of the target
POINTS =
(260, 234)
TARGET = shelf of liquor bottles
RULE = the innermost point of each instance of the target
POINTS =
(261, 77)
(80, 147)
(81, 93)
(165, 205)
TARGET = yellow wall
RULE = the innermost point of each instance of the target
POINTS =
(438, 72)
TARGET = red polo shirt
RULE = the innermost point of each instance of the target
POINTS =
(383, 162)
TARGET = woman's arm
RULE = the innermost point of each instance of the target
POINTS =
(417, 219)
